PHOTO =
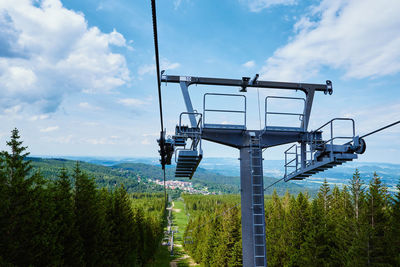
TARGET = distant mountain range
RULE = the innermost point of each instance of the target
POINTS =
(227, 171)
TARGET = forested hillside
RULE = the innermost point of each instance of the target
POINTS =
(129, 173)
(105, 177)
(67, 221)
(358, 225)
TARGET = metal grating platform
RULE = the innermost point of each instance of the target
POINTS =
(225, 126)
(320, 166)
(187, 163)
(284, 129)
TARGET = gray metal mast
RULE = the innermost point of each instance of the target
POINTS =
(322, 154)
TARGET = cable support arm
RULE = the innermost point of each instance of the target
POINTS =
(245, 82)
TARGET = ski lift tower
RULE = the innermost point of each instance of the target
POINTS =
(310, 153)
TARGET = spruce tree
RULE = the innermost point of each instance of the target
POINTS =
(378, 223)
(358, 250)
(357, 191)
(297, 223)
(68, 234)
(274, 227)
(324, 197)
(27, 231)
(87, 216)
(395, 228)
(123, 229)
(339, 222)
(316, 250)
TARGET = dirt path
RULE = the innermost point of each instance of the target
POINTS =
(185, 256)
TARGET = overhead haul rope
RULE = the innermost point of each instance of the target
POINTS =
(365, 135)
(162, 133)
(380, 129)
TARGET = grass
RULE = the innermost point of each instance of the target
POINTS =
(179, 219)
(163, 257)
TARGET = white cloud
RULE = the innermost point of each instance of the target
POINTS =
(360, 37)
(110, 140)
(249, 64)
(49, 129)
(258, 5)
(177, 3)
(39, 117)
(48, 51)
(165, 64)
(145, 141)
(69, 139)
(132, 102)
(13, 110)
(156, 134)
(86, 105)
(99, 141)
(374, 117)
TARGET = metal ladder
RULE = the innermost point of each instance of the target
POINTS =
(260, 255)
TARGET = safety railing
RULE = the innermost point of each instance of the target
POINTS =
(318, 144)
(191, 132)
(198, 116)
(301, 115)
(292, 154)
(222, 125)
(291, 163)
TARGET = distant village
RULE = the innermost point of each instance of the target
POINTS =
(184, 186)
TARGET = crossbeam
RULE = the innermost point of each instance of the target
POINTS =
(245, 82)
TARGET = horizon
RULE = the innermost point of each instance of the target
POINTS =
(157, 158)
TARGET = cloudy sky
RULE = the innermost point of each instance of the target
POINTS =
(78, 77)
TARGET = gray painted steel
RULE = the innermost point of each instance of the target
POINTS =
(251, 142)
(188, 103)
(305, 87)
(252, 205)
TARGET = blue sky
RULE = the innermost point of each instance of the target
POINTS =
(78, 77)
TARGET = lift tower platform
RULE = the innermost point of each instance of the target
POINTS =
(311, 155)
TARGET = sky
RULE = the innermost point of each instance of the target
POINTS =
(78, 78)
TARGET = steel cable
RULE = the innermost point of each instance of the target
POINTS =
(162, 136)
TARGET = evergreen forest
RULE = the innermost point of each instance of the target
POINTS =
(357, 225)
(68, 221)
(67, 216)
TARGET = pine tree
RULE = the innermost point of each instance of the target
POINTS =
(359, 228)
(27, 231)
(316, 250)
(123, 229)
(87, 215)
(378, 223)
(298, 219)
(395, 228)
(357, 191)
(339, 221)
(68, 234)
(319, 245)
(276, 242)
(324, 197)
